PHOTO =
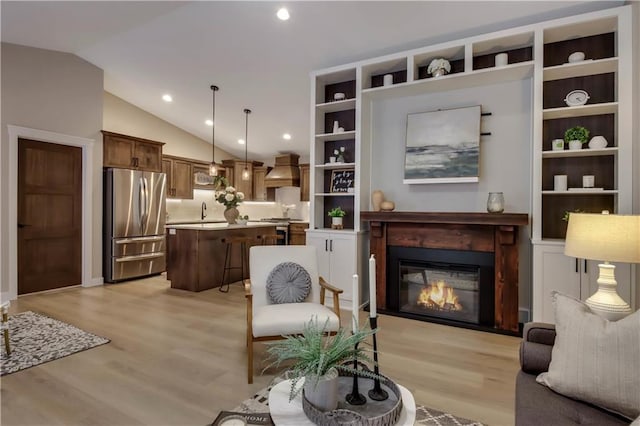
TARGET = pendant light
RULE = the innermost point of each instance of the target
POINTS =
(245, 173)
(213, 171)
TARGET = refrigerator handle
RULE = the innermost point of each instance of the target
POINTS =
(146, 204)
(141, 202)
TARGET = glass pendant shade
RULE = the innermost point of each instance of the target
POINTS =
(213, 170)
(246, 175)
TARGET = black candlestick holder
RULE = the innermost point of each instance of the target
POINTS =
(377, 393)
(355, 397)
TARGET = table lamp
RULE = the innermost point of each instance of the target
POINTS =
(609, 238)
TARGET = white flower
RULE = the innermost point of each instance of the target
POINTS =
(439, 63)
(240, 195)
(342, 149)
(335, 151)
(229, 197)
(230, 189)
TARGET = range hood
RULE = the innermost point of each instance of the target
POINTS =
(285, 172)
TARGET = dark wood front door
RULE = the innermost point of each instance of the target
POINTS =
(49, 216)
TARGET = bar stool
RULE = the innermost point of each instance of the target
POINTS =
(226, 272)
(270, 239)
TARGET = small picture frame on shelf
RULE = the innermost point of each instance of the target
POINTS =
(343, 181)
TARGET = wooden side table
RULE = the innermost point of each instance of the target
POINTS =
(285, 413)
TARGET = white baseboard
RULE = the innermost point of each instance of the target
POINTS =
(4, 296)
(94, 282)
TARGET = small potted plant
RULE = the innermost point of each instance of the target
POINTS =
(336, 215)
(439, 67)
(318, 358)
(576, 136)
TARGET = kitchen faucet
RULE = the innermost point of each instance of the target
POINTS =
(203, 209)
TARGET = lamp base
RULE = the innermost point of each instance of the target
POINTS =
(606, 302)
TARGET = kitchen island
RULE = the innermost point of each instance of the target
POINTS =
(196, 252)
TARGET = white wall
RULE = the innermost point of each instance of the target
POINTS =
(636, 124)
(505, 163)
(56, 92)
(122, 117)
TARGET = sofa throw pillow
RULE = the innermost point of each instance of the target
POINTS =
(288, 282)
(595, 360)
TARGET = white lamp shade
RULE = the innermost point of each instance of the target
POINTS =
(604, 237)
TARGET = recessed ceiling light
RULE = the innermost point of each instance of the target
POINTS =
(167, 98)
(286, 137)
(208, 122)
(283, 14)
(241, 141)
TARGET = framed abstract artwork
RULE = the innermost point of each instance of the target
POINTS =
(443, 146)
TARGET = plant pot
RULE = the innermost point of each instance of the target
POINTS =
(336, 223)
(557, 144)
(575, 144)
(439, 72)
(231, 215)
(323, 394)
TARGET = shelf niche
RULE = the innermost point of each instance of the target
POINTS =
(345, 203)
(598, 46)
(346, 120)
(602, 125)
(599, 87)
(347, 87)
(555, 206)
(515, 56)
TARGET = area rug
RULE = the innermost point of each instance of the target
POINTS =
(259, 403)
(36, 339)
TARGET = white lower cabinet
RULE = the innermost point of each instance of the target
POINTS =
(574, 277)
(337, 260)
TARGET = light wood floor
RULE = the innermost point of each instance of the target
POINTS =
(178, 358)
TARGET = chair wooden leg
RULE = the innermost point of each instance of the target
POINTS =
(5, 332)
(249, 360)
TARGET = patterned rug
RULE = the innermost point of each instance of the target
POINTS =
(259, 403)
(36, 339)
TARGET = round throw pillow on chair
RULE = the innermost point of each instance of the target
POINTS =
(288, 282)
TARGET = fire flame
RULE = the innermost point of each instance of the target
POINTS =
(439, 296)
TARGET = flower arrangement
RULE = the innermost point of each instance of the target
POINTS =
(339, 153)
(337, 212)
(577, 133)
(439, 64)
(229, 197)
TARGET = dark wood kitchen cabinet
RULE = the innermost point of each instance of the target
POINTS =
(129, 152)
(297, 233)
(179, 173)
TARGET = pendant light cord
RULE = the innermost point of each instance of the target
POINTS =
(214, 89)
(246, 136)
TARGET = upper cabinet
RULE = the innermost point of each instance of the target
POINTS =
(129, 152)
(234, 170)
(180, 179)
(260, 190)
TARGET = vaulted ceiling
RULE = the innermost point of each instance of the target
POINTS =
(150, 48)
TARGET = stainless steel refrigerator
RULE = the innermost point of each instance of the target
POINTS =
(134, 219)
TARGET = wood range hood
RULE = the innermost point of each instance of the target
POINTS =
(285, 172)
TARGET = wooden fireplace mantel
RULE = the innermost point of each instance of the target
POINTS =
(484, 232)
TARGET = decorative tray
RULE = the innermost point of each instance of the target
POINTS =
(372, 413)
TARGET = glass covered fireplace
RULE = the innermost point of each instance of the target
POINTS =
(447, 286)
(443, 291)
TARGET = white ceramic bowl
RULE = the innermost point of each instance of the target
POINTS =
(338, 96)
(576, 57)
(598, 142)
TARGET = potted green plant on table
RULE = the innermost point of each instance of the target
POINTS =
(576, 136)
(318, 358)
(336, 215)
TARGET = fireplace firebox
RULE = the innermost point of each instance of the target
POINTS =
(446, 286)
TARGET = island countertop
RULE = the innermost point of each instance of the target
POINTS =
(215, 226)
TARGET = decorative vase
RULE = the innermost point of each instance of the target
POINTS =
(557, 144)
(495, 202)
(439, 72)
(340, 158)
(323, 394)
(377, 197)
(336, 222)
(575, 144)
(387, 206)
(231, 215)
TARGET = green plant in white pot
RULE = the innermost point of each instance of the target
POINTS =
(318, 358)
(576, 136)
(336, 215)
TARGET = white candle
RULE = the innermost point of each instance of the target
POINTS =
(355, 303)
(372, 286)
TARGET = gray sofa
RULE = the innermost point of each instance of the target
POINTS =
(538, 405)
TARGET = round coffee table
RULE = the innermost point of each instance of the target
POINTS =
(285, 413)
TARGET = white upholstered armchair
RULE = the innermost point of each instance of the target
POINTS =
(267, 320)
